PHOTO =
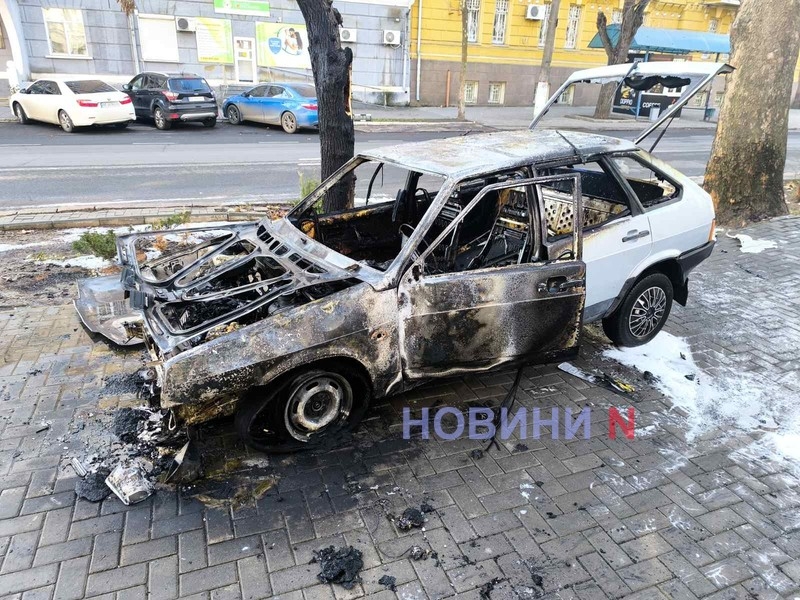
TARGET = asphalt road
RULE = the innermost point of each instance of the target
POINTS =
(40, 165)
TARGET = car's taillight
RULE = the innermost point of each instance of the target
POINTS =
(171, 96)
(125, 101)
(87, 103)
(310, 106)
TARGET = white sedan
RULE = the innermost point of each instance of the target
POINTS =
(72, 104)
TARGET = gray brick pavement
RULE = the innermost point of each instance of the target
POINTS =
(655, 517)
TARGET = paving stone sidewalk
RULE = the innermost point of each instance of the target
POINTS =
(654, 517)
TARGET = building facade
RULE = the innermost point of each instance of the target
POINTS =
(506, 42)
(232, 43)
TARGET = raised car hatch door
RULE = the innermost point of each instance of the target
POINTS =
(643, 76)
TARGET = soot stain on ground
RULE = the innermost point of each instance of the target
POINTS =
(93, 487)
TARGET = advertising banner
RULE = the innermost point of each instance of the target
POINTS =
(257, 8)
(214, 42)
(282, 45)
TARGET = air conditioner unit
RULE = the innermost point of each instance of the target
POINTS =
(535, 12)
(348, 35)
(185, 24)
(391, 37)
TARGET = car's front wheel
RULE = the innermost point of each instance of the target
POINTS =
(161, 120)
(642, 313)
(289, 122)
(65, 121)
(233, 115)
(312, 407)
(20, 113)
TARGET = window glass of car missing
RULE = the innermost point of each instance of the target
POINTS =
(650, 186)
(388, 204)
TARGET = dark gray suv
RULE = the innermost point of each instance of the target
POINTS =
(169, 97)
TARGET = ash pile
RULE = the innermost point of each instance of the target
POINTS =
(130, 453)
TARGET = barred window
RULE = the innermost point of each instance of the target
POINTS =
(497, 92)
(471, 92)
(500, 20)
(616, 16)
(543, 25)
(473, 18)
(713, 24)
(65, 33)
(573, 25)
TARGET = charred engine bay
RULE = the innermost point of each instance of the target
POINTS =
(219, 279)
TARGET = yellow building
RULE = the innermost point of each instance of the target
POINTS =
(507, 37)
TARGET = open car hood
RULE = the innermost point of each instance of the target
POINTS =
(693, 76)
(207, 281)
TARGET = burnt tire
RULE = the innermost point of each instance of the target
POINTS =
(314, 407)
(642, 313)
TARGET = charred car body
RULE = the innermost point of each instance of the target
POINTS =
(463, 254)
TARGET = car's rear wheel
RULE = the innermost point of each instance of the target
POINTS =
(20, 113)
(233, 115)
(161, 120)
(289, 122)
(65, 121)
(312, 407)
(642, 313)
(210, 122)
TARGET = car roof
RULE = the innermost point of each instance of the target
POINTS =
(483, 153)
(169, 74)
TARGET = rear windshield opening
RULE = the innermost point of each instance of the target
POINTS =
(93, 86)
(194, 84)
(306, 91)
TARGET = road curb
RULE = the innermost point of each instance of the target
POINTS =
(127, 217)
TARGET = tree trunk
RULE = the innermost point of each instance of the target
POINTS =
(745, 173)
(462, 78)
(332, 68)
(632, 19)
(543, 87)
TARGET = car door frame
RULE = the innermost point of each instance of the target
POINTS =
(33, 107)
(272, 114)
(255, 109)
(434, 319)
(51, 105)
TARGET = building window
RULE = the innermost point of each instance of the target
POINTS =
(566, 96)
(65, 33)
(473, 18)
(616, 16)
(718, 96)
(573, 25)
(497, 92)
(471, 92)
(713, 24)
(500, 19)
(543, 25)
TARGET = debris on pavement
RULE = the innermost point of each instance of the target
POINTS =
(93, 486)
(487, 588)
(603, 379)
(126, 423)
(389, 582)
(410, 519)
(476, 454)
(78, 467)
(339, 565)
(130, 483)
(748, 245)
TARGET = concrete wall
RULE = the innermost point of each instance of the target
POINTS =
(379, 71)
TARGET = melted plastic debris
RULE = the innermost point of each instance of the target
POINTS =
(389, 582)
(93, 487)
(339, 565)
(410, 519)
(127, 423)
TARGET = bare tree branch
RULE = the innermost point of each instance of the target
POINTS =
(602, 29)
(127, 6)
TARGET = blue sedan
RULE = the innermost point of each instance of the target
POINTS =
(290, 105)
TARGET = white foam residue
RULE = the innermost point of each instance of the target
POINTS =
(9, 247)
(87, 262)
(736, 398)
(748, 245)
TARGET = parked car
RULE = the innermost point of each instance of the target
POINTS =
(290, 105)
(460, 255)
(71, 104)
(166, 98)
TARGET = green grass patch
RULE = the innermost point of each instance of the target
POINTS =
(103, 245)
(173, 220)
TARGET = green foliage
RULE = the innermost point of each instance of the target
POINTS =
(307, 185)
(103, 245)
(173, 220)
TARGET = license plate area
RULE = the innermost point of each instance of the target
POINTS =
(197, 98)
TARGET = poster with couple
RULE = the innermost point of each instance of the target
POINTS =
(282, 45)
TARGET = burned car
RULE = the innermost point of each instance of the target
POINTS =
(459, 255)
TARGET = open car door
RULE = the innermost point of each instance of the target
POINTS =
(642, 76)
(477, 303)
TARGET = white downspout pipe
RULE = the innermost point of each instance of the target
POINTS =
(419, 47)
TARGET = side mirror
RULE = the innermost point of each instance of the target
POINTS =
(245, 94)
(126, 87)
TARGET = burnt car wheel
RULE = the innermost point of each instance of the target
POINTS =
(309, 409)
(642, 313)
